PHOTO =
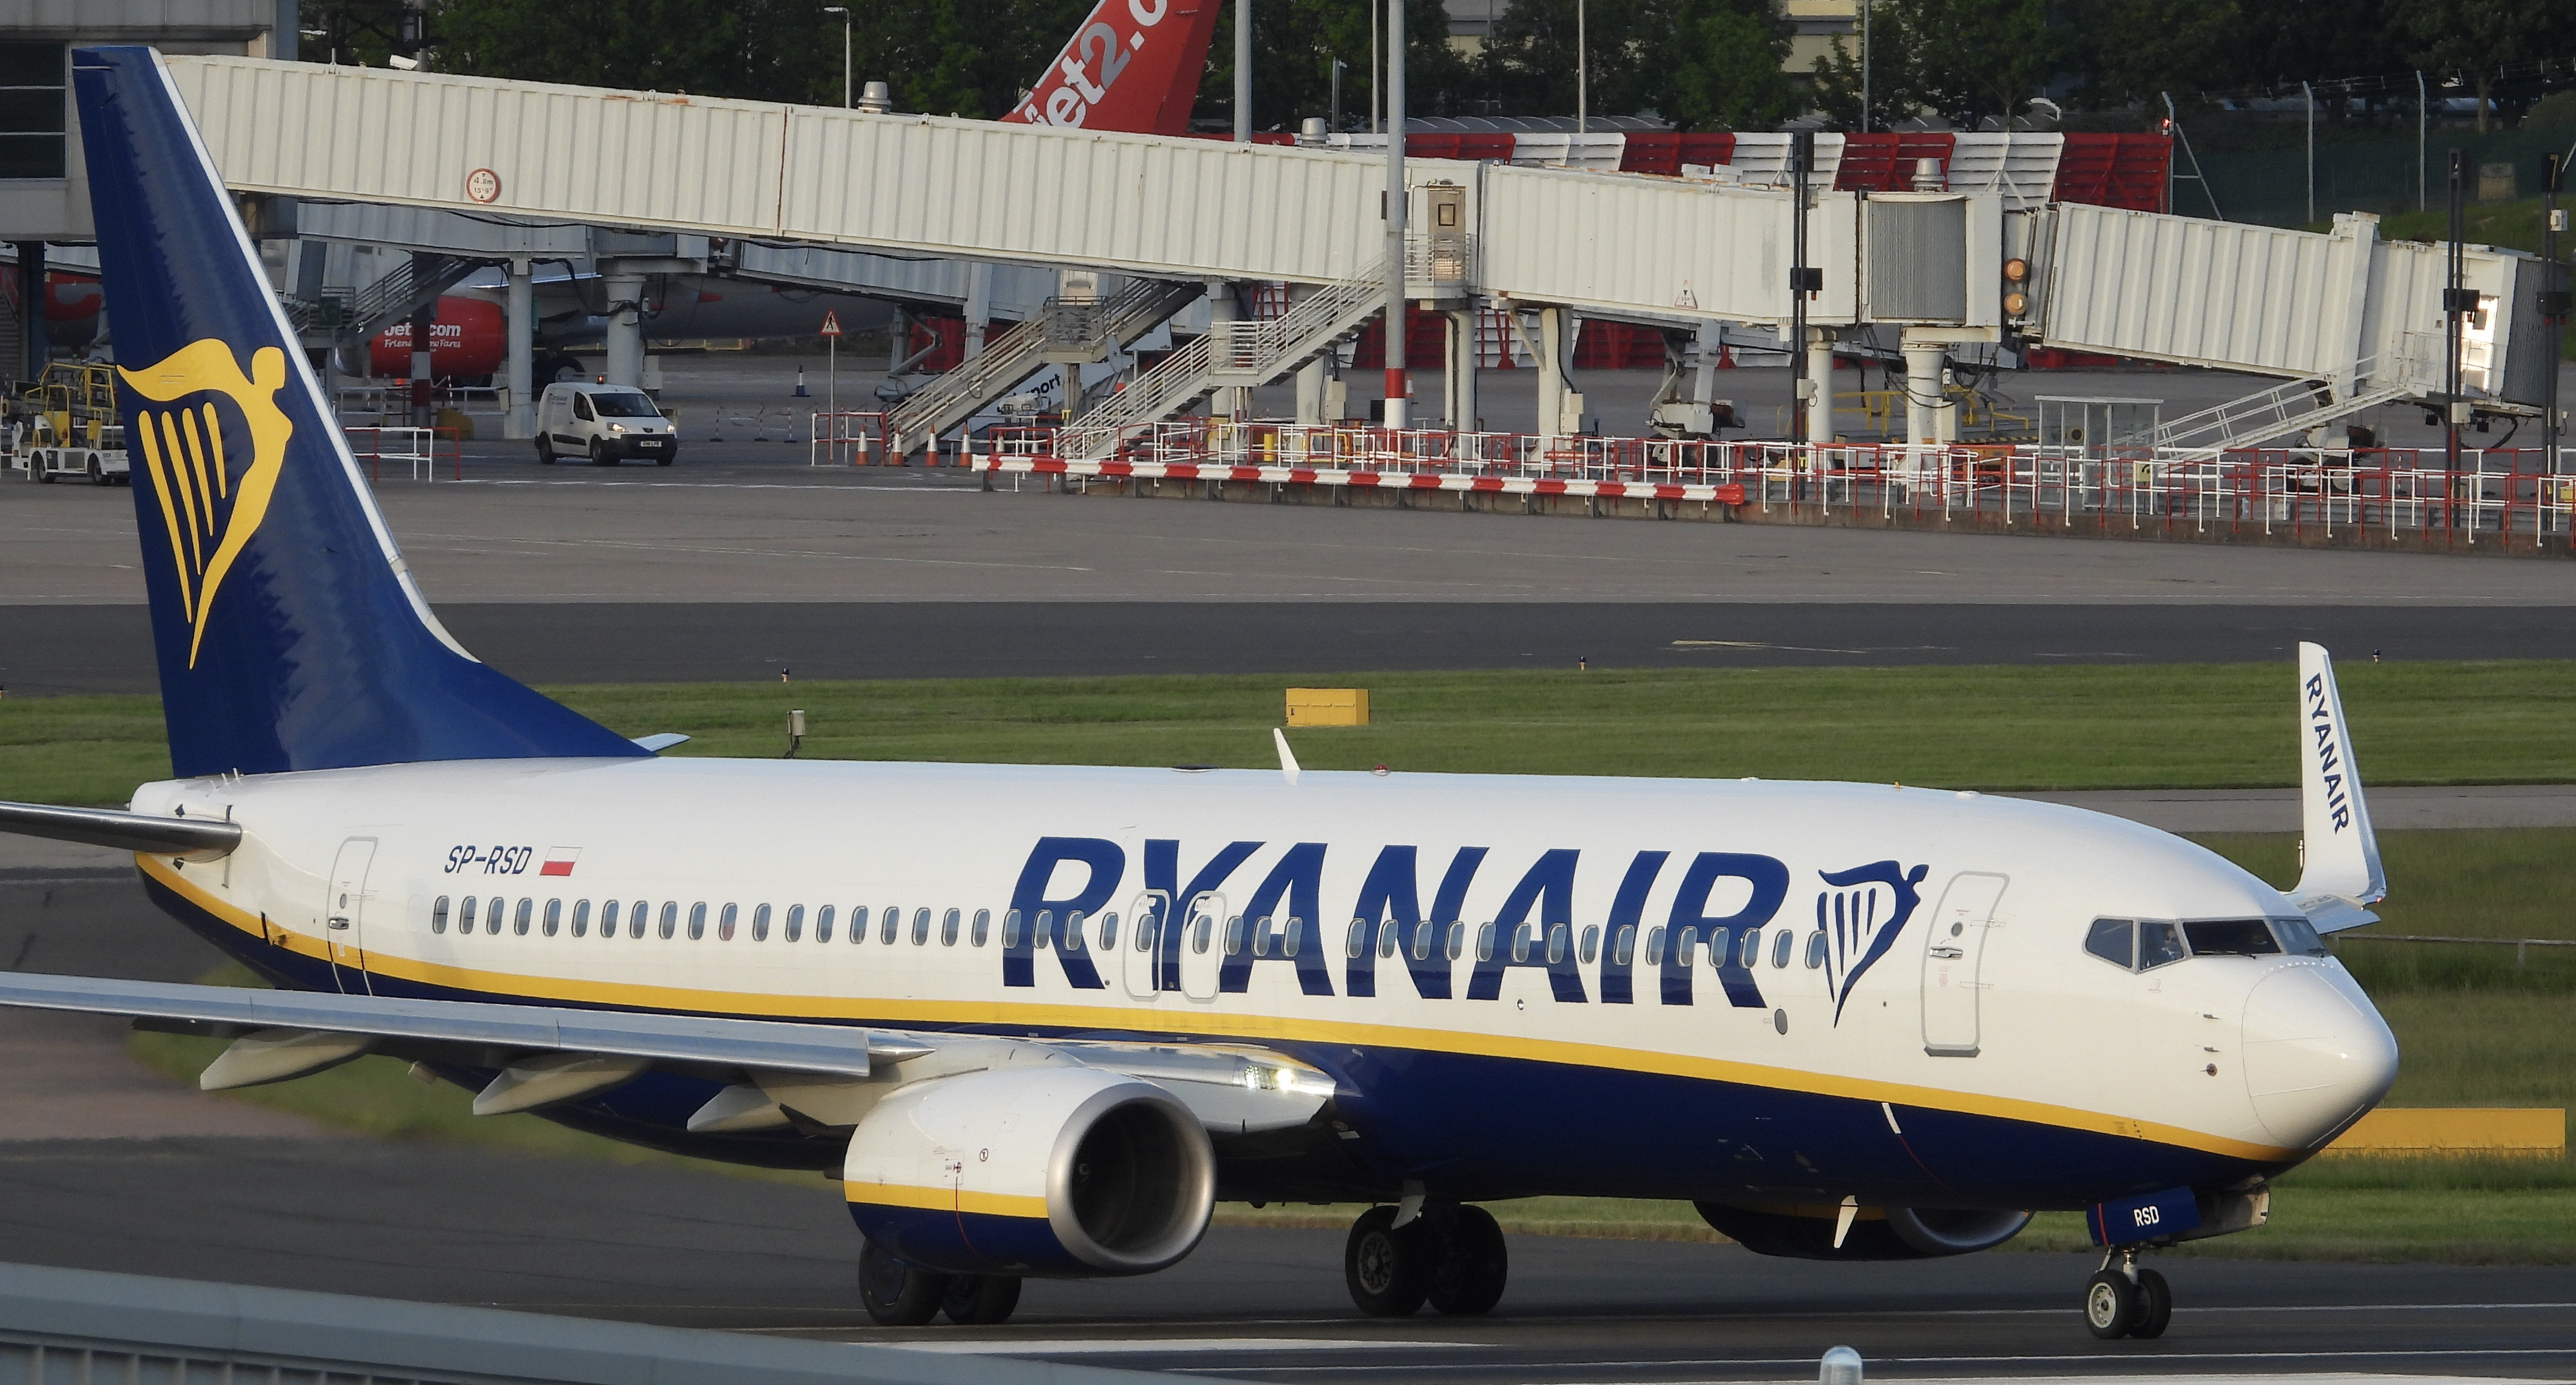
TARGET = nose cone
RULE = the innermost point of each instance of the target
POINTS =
(2316, 1054)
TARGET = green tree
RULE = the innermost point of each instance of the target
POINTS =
(1704, 64)
(2477, 35)
(1294, 46)
(2129, 51)
(1970, 61)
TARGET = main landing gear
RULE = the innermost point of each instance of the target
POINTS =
(1448, 1255)
(2122, 1300)
(897, 1295)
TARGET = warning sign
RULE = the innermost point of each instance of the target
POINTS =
(831, 323)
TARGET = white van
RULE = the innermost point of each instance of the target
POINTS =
(603, 425)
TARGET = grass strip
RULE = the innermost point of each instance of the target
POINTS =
(2003, 727)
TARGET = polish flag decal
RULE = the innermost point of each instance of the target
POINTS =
(559, 860)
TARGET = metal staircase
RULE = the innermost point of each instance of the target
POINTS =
(392, 297)
(1078, 331)
(1232, 353)
(2404, 372)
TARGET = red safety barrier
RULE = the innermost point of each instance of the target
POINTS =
(1884, 162)
(1665, 152)
(2114, 171)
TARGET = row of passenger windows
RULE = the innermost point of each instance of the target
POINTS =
(2145, 944)
(1264, 936)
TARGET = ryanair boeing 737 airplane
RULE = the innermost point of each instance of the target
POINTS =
(1040, 1018)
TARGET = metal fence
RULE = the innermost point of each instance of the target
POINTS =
(2511, 497)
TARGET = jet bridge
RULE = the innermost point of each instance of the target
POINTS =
(2339, 310)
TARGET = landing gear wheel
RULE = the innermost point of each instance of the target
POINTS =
(1473, 1267)
(1388, 1269)
(981, 1300)
(2111, 1305)
(894, 1293)
(2155, 1306)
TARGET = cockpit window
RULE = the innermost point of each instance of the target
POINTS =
(2159, 942)
(2231, 938)
(2299, 936)
(2112, 940)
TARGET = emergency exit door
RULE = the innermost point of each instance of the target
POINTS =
(1954, 950)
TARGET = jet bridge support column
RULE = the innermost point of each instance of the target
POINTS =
(1312, 375)
(1820, 384)
(624, 288)
(1551, 377)
(1463, 408)
(1925, 403)
(520, 327)
(1228, 401)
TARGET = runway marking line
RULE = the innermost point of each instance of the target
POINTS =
(2105, 1359)
(1140, 1346)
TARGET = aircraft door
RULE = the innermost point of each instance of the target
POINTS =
(1203, 947)
(1954, 950)
(1148, 914)
(344, 914)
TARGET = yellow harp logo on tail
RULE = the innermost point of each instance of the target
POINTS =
(210, 502)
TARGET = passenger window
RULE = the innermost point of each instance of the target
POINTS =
(1556, 944)
(893, 923)
(983, 926)
(519, 921)
(1261, 936)
(948, 927)
(492, 913)
(1199, 938)
(1147, 925)
(1072, 939)
(670, 918)
(822, 924)
(581, 919)
(1748, 951)
(1457, 942)
(724, 922)
(858, 923)
(1623, 949)
(1234, 936)
(1108, 932)
(1520, 942)
(2231, 938)
(465, 916)
(438, 914)
(920, 927)
(1654, 947)
(1042, 931)
(795, 928)
(1686, 947)
(760, 924)
(1591, 944)
(2158, 943)
(1356, 943)
(1816, 946)
(1296, 937)
(1422, 935)
(2299, 936)
(1011, 929)
(1485, 943)
(2114, 941)
(1781, 947)
(554, 916)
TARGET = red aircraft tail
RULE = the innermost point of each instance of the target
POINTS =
(1133, 66)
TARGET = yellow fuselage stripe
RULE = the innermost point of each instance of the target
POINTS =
(1249, 1028)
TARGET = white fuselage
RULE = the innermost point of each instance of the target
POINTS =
(1984, 1003)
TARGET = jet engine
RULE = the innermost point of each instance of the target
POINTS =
(1061, 1171)
(1877, 1233)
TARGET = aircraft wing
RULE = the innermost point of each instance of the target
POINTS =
(233, 1012)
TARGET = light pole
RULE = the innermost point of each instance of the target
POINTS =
(1864, 66)
(844, 12)
(1582, 71)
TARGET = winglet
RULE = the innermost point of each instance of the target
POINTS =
(1287, 757)
(2341, 873)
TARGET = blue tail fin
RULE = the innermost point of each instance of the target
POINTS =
(289, 633)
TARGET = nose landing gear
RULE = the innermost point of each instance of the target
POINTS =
(2124, 1300)
(1449, 1255)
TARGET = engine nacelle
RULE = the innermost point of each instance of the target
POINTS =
(1877, 1233)
(1061, 1171)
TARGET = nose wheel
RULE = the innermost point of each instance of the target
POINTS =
(1449, 1255)
(2124, 1300)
